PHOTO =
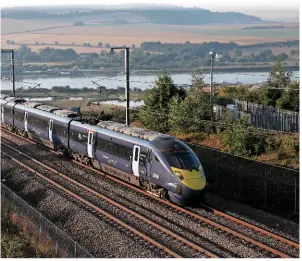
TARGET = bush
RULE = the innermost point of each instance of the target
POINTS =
(242, 140)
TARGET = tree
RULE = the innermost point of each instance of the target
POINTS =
(155, 113)
(100, 44)
(278, 77)
(192, 112)
(133, 46)
(293, 52)
(79, 23)
(107, 45)
(282, 57)
(289, 100)
(8, 41)
(237, 52)
(56, 42)
(197, 80)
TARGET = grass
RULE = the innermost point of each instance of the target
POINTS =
(20, 238)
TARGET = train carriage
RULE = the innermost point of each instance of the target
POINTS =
(42, 126)
(153, 161)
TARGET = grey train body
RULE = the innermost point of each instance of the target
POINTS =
(139, 157)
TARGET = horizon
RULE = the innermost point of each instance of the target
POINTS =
(263, 10)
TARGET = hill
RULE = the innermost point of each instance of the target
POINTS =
(166, 15)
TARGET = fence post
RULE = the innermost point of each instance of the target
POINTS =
(265, 197)
(75, 249)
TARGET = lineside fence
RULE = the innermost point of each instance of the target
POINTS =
(264, 117)
(64, 245)
(250, 182)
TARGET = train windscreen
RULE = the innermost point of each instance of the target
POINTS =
(182, 159)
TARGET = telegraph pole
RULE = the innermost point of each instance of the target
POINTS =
(211, 85)
(211, 82)
(127, 82)
(12, 51)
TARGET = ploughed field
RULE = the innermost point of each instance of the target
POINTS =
(48, 32)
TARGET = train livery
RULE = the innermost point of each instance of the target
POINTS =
(156, 162)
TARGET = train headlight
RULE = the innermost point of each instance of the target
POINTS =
(178, 189)
(179, 175)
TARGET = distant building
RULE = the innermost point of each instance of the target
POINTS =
(119, 88)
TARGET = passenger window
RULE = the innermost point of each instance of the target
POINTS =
(142, 159)
(109, 147)
(51, 125)
(118, 150)
(90, 138)
(101, 144)
(136, 154)
(127, 153)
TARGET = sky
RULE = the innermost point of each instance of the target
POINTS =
(266, 9)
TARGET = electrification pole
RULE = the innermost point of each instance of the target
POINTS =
(127, 82)
(211, 84)
(12, 51)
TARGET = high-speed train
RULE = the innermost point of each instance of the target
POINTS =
(156, 162)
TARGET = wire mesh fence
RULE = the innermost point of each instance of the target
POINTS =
(255, 183)
(64, 246)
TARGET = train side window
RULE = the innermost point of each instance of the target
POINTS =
(142, 158)
(109, 147)
(90, 138)
(51, 125)
(127, 153)
(101, 144)
(136, 154)
(156, 158)
(118, 150)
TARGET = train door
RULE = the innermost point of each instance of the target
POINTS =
(2, 114)
(89, 144)
(25, 120)
(50, 130)
(135, 160)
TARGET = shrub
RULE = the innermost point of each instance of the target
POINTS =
(242, 140)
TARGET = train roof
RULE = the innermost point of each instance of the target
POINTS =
(11, 101)
(110, 133)
(3, 96)
(132, 131)
(48, 108)
(43, 113)
(32, 104)
(66, 113)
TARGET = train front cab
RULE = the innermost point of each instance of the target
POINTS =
(186, 182)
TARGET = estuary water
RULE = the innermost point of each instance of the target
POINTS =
(138, 81)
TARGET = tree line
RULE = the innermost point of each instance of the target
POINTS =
(171, 109)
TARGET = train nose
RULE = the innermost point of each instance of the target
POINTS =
(196, 183)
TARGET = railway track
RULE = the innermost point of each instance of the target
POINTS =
(194, 247)
(208, 222)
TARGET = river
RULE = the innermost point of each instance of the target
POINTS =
(139, 81)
